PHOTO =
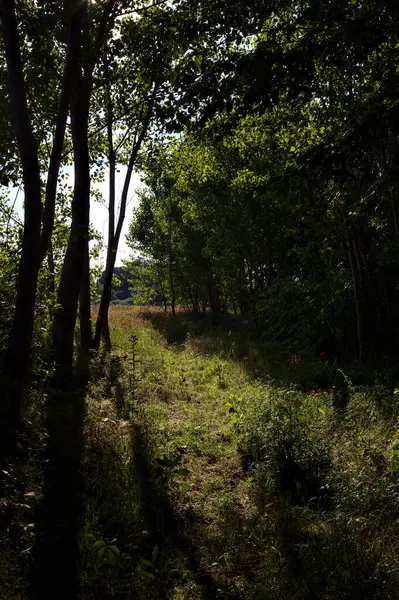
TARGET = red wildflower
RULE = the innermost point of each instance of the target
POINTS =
(325, 393)
(276, 362)
(316, 395)
(322, 354)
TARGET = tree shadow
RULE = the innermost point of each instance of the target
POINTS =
(54, 571)
(323, 560)
(176, 327)
(166, 527)
(238, 340)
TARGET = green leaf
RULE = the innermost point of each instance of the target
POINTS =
(146, 562)
(115, 550)
(101, 553)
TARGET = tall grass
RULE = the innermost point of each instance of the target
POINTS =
(218, 466)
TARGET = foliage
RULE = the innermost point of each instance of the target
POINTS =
(241, 439)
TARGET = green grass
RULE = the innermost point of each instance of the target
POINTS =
(212, 470)
(265, 489)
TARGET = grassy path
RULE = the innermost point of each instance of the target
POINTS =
(173, 410)
(208, 480)
(208, 469)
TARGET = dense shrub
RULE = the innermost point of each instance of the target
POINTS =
(294, 311)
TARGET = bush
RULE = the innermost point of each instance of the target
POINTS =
(335, 477)
(293, 312)
(288, 437)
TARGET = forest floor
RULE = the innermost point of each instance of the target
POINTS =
(208, 469)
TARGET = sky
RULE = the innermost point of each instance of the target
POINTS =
(99, 212)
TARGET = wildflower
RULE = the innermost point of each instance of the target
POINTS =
(313, 391)
(316, 395)
(276, 362)
(325, 393)
(322, 354)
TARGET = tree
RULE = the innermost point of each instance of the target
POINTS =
(38, 222)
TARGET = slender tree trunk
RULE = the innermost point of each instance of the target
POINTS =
(234, 305)
(356, 279)
(84, 304)
(35, 242)
(72, 270)
(171, 282)
(102, 317)
(102, 325)
(51, 269)
(111, 235)
(51, 278)
(165, 306)
(213, 298)
(16, 358)
(194, 299)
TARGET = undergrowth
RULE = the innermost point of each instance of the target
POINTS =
(215, 466)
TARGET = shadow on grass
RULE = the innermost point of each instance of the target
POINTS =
(275, 554)
(54, 571)
(237, 339)
(167, 528)
(176, 327)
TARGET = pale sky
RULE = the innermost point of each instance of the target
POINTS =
(99, 212)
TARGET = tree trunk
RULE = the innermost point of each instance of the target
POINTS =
(195, 300)
(114, 238)
(356, 279)
(102, 325)
(51, 269)
(214, 302)
(165, 306)
(35, 243)
(171, 282)
(84, 304)
(234, 306)
(16, 358)
(72, 270)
